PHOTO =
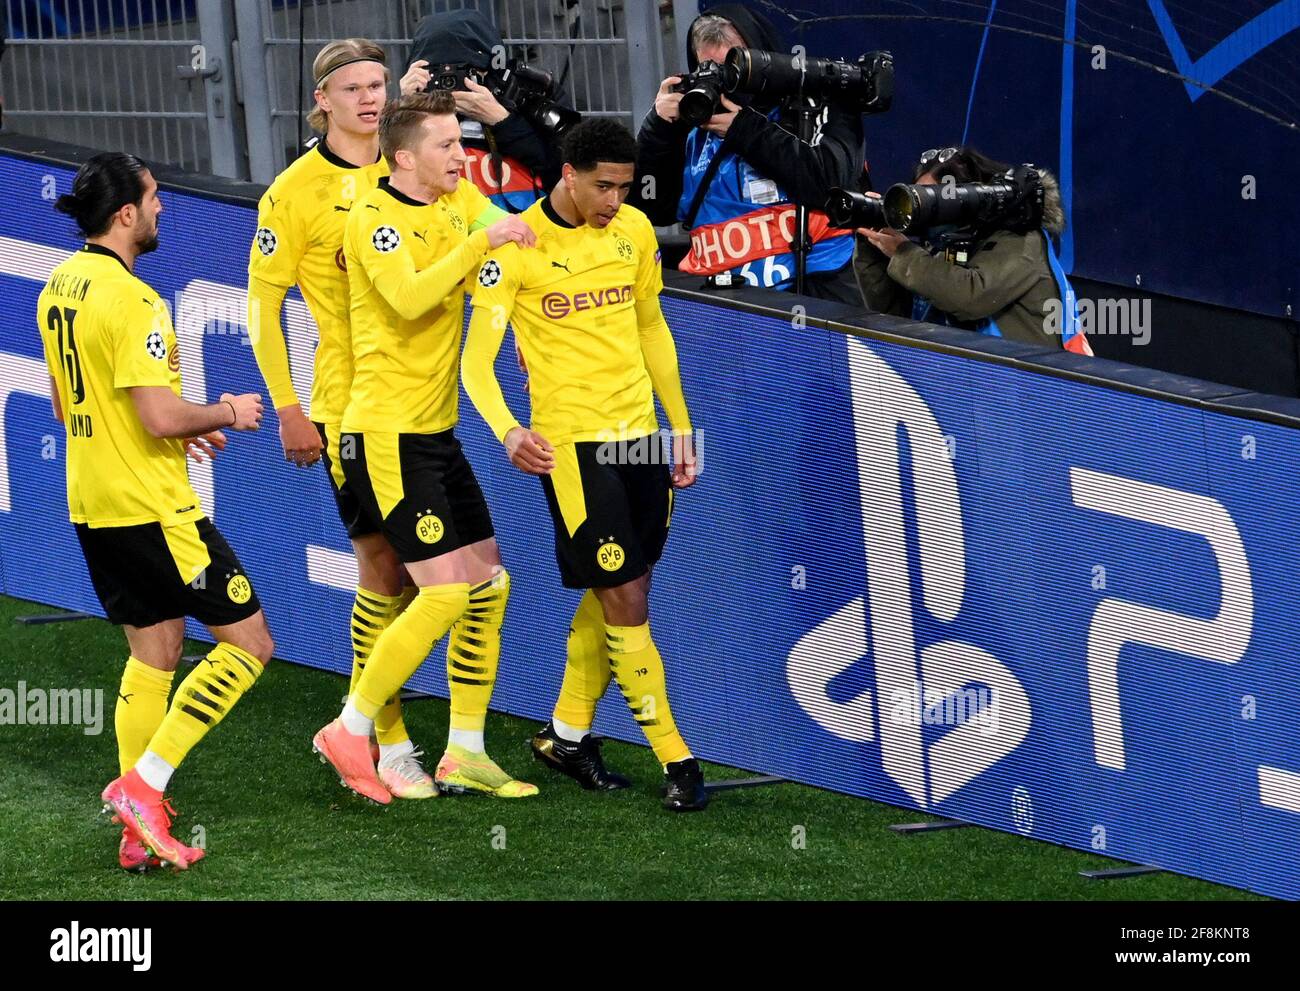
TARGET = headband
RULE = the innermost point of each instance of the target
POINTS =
(359, 58)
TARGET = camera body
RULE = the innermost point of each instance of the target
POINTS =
(701, 93)
(529, 91)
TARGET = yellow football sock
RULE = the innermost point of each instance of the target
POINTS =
(203, 699)
(639, 669)
(474, 651)
(404, 645)
(586, 669)
(141, 706)
(372, 612)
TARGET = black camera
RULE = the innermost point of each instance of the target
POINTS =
(450, 76)
(520, 88)
(1013, 201)
(866, 85)
(846, 208)
(701, 93)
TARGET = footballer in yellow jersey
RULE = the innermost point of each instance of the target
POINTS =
(409, 246)
(153, 557)
(585, 308)
(299, 241)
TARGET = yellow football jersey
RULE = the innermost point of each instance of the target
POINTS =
(572, 302)
(299, 241)
(407, 262)
(104, 332)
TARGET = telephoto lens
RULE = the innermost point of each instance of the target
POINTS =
(867, 85)
(848, 209)
(914, 209)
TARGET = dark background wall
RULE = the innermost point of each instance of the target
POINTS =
(1152, 165)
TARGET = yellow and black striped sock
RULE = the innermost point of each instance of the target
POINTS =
(372, 612)
(474, 651)
(141, 706)
(404, 645)
(203, 699)
(586, 667)
(636, 664)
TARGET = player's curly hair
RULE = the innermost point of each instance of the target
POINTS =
(103, 185)
(598, 139)
(334, 56)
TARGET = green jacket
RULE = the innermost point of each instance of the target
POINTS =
(1006, 277)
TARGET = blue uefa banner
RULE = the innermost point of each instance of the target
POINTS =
(1043, 605)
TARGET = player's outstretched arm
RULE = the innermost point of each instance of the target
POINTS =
(165, 414)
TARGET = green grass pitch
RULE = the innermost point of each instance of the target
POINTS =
(277, 825)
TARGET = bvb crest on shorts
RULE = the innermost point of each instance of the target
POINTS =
(385, 239)
(239, 589)
(429, 528)
(610, 555)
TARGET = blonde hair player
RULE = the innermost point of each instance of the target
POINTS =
(299, 241)
(409, 246)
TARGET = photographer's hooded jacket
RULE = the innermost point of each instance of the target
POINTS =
(745, 223)
(1009, 285)
(509, 162)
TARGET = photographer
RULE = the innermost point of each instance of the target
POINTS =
(734, 180)
(512, 153)
(997, 275)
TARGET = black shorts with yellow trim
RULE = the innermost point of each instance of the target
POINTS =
(149, 573)
(355, 521)
(418, 490)
(611, 503)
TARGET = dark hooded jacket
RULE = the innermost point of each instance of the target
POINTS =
(511, 162)
(1006, 280)
(806, 172)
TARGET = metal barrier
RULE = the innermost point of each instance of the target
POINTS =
(128, 74)
(224, 87)
(607, 53)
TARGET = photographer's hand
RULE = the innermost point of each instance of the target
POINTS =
(666, 100)
(887, 240)
(480, 104)
(416, 78)
(719, 123)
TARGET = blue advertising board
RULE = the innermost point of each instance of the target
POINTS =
(1047, 606)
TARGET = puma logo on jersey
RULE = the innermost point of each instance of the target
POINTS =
(419, 235)
(342, 209)
(565, 266)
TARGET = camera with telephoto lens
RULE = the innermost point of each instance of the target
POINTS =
(866, 85)
(701, 94)
(523, 89)
(848, 209)
(1012, 201)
